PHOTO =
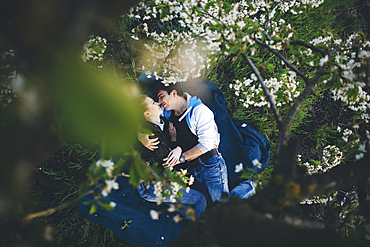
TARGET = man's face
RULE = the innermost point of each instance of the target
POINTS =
(164, 99)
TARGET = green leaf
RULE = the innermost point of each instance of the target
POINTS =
(257, 59)
(219, 27)
(270, 67)
(93, 209)
(246, 175)
(352, 93)
(160, 6)
(93, 107)
(118, 167)
(251, 170)
(138, 170)
(338, 82)
(105, 204)
(83, 188)
(209, 4)
(234, 49)
(165, 12)
(180, 193)
(179, 181)
(226, 6)
(156, 170)
(87, 202)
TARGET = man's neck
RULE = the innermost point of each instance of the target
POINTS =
(181, 107)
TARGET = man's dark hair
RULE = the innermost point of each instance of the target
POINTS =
(169, 88)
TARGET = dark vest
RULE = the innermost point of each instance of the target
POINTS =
(185, 138)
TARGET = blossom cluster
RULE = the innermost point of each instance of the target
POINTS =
(7, 92)
(189, 59)
(347, 82)
(360, 103)
(324, 199)
(184, 54)
(354, 204)
(282, 91)
(319, 199)
(94, 49)
(240, 167)
(171, 190)
(354, 140)
(163, 189)
(107, 164)
(332, 156)
(109, 183)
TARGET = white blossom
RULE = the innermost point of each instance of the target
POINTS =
(107, 164)
(177, 218)
(359, 156)
(362, 147)
(172, 208)
(239, 168)
(256, 163)
(254, 77)
(324, 60)
(191, 180)
(110, 184)
(154, 214)
(241, 24)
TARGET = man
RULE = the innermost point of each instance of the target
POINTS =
(198, 137)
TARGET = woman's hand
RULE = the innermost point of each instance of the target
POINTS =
(172, 131)
(150, 144)
(173, 157)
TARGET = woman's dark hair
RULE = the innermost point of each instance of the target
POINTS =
(169, 88)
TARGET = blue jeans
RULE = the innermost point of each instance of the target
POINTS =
(194, 198)
(213, 174)
(244, 190)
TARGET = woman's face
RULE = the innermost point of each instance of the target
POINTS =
(152, 107)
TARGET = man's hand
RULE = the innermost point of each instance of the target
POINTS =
(150, 144)
(173, 157)
(172, 131)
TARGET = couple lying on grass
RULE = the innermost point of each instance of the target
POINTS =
(186, 137)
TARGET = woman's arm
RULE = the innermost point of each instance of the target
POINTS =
(147, 142)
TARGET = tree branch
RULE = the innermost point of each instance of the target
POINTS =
(265, 90)
(266, 25)
(289, 186)
(53, 210)
(233, 223)
(337, 178)
(306, 92)
(301, 98)
(312, 47)
(291, 66)
(214, 17)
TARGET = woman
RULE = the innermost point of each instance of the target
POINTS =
(166, 135)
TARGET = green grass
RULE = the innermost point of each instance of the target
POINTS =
(63, 173)
(68, 166)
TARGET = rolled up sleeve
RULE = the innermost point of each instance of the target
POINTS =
(204, 128)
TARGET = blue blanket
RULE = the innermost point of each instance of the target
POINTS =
(240, 143)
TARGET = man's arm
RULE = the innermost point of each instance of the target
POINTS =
(205, 131)
(192, 153)
(189, 155)
(205, 128)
